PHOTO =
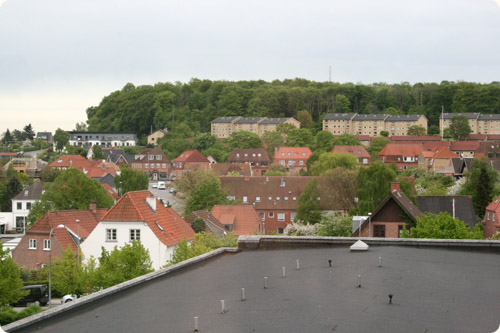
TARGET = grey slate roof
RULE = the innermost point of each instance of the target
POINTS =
(489, 116)
(108, 179)
(466, 115)
(435, 204)
(33, 192)
(44, 136)
(339, 116)
(228, 119)
(247, 120)
(361, 117)
(408, 117)
(274, 120)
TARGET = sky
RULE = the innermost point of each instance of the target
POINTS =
(59, 57)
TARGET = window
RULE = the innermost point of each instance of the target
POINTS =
(292, 216)
(270, 198)
(280, 230)
(245, 198)
(262, 216)
(135, 234)
(32, 244)
(277, 198)
(158, 157)
(379, 231)
(46, 244)
(286, 198)
(151, 157)
(19, 205)
(270, 215)
(400, 231)
(28, 205)
(301, 162)
(146, 166)
(257, 199)
(294, 198)
(110, 235)
(281, 216)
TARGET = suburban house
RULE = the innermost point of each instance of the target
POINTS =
(274, 198)
(103, 139)
(257, 158)
(491, 220)
(362, 156)
(188, 160)
(65, 162)
(293, 158)
(238, 219)
(32, 166)
(33, 250)
(458, 206)
(154, 162)
(139, 216)
(404, 156)
(465, 149)
(156, 135)
(389, 218)
(22, 203)
(47, 136)
(439, 160)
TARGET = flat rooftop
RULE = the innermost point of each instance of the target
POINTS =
(434, 290)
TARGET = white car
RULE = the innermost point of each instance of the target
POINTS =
(161, 185)
(154, 185)
(68, 298)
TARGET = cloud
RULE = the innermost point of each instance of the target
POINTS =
(2, 2)
(498, 2)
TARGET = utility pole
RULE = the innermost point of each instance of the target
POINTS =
(442, 122)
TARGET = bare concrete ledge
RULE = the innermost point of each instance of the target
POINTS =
(254, 242)
(115, 289)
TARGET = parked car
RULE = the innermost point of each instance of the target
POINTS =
(38, 294)
(171, 190)
(154, 185)
(161, 185)
(68, 298)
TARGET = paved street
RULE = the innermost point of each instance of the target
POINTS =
(177, 204)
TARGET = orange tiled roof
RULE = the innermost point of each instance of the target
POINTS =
(88, 221)
(494, 207)
(401, 150)
(444, 153)
(295, 152)
(464, 145)
(133, 207)
(244, 218)
(415, 138)
(71, 161)
(98, 172)
(358, 151)
(111, 191)
(191, 156)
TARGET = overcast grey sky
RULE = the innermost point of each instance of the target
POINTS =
(58, 57)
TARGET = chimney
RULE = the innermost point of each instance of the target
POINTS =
(395, 186)
(93, 206)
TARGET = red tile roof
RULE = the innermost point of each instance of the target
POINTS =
(464, 145)
(71, 161)
(401, 150)
(191, 156)
(443, 153)
(358, 151)
(494, 207)
(480, 137)
(133, 206)
(243, 218)
(111, 191)
(295, 152)
(99, 172)
(416, 138)
(361, 137)
(88, 221)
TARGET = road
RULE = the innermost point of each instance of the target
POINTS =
(176, 203)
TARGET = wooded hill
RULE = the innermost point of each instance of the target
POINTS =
(198, 102)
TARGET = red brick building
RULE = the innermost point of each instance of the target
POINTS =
(404, 156)
(388, 219)
(154, 162)
(188, 160)
(491, 221)
(238, 219)
(274, 198)
(362, 156)
(257, 158)
(33, 250)
(293, 158)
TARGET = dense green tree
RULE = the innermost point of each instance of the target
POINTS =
(68, 276)
(346, 140)
(11, 172)
(285, 128)
(373, 186)
(308, 209)
(324, 141)
(384, 134)
(198, 225)
(192, 179)
(305, 119)
(271, 141)
(442, 226)
(11, 283)
(12, 189)
(49, 174)
(97, 153)
(131, 180)
(334, 226)
(28, 132)
(81, 127)
(207, 195)
(376, 146)
(70, 190)
(459, 127)
(417, 130)
(244, 140)
(300, 137)
(7, 137)
(122, 264)
(174, 145)
(18, 135)
(204, 141)
(337, 189)
(330, 161)
(61, 138)
(203, 242)
(342, 104)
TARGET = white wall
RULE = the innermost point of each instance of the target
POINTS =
(6, 220)
(158, 251)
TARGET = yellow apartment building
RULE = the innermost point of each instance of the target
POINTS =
(222, 127)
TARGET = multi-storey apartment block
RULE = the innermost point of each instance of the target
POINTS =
(371, 124)
(478, 123)
(103, 139)
(222, 127)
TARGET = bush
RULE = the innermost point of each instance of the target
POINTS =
(299, 229)
(8, 315)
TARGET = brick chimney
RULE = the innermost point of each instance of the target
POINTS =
(93, 206)
(395, 186)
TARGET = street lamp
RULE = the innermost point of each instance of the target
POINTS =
(78, 245)
(60, 226)
(369, 224)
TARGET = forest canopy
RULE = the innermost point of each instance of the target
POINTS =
(195, 104)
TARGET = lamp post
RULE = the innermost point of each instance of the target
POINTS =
(60, 226)
(78, 245)
(369, 224)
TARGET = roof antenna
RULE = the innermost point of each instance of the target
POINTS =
(390, 298)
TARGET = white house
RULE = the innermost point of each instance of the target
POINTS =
(103, 139)
(22, 203)
(139, 216)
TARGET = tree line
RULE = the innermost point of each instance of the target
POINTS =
(196, 103)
